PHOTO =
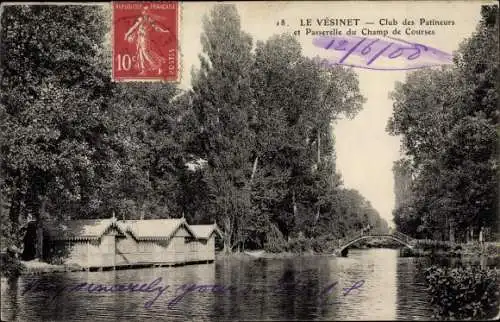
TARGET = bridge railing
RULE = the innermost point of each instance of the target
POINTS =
(407, 239)
(432, 242)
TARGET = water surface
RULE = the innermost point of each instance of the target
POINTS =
(301, 288)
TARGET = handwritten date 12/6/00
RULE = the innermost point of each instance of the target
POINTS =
(381, 54)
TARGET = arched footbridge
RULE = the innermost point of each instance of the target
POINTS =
(395, 235)
(401, 238)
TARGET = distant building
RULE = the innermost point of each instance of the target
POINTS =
(196, 165)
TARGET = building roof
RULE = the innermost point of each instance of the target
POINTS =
(150, 229)
(153, 229)
(84, 229)
(205, 231)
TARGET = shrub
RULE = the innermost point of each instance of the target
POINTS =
(320, 245)
(490, 249)
(433, 245)
(324, 245)
(413, 252)
(10, 266)
(274, 247)
(299, 245)
(463, 293)
(275, 242)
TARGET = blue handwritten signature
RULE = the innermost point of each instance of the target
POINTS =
(379, 54)
(157, 288)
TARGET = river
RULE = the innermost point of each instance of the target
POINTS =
(369, 284)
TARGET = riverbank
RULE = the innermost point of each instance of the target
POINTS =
(490, 250)
(35, 267)
(265, 255)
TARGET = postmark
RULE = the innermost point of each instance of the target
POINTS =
(389, 54)
(145, 41)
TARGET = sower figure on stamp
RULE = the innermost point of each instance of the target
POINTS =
(147, 57)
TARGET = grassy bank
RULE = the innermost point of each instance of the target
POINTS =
(490, 249)
(251, 255)
(16, 267)
(10, 266)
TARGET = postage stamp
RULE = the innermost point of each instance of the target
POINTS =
(145, 41)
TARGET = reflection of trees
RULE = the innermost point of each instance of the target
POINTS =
(412, 298)
(233, 273)
(276, 289)
(37, 304)
(376, 299)
(285, 289)
(195, 305)
(10, 291)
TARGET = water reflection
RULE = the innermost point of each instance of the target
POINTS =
(413, 300)
(378, 298)
(292, 289)
(302, 288)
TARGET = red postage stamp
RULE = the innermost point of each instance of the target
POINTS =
(145, 41)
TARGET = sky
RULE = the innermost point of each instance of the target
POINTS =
(365, 151)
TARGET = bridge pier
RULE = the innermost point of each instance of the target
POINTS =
(341, 252)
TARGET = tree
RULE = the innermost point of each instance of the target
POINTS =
(151, 157)
(449, 123)
(55, 111)
(297, 102)
(222, 102)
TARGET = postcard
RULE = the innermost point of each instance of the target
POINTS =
(249, 161)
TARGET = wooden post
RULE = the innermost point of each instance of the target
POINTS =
(114, 251)
(88, 253)
(142, 211)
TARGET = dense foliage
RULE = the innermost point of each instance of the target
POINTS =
(249, 146)
(56, 125)
(264, 128)
(448, 120)
(463, 293)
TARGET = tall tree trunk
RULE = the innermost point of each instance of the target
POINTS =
(452, 233)
(39, 228)
(295, 211)
(317, 216)
(319, 148)
(15, 208)
(254, 169)
(227, 233)
(143, 211)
